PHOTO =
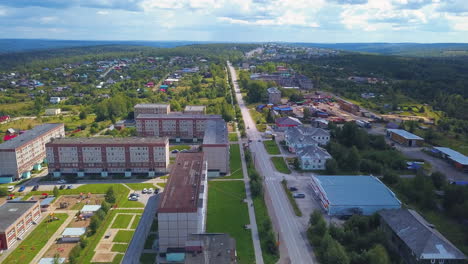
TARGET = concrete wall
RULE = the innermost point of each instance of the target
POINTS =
(217, 157)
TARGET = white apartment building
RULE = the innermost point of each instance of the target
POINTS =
(152, 109)
(216, 147)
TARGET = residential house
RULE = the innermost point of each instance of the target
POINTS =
(288, 121)
(312, 158)
(55, 100)
(302, 136)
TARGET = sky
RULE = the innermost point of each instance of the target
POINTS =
(320, 21)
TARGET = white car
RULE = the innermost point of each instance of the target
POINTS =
(62, 182)
(133, 198)
(144, 190)
(150, 190)
(11, 188)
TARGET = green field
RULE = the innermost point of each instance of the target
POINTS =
(280, 165)
(135, 222)
(233, 137)
(119, 248)
(261, 216)
(271, 147)
(235, 163)
(161, 184)
(35, 241)
(139, 186)
(118, 259)
(179, 147)
(227, 213)
(122, 221)
(124, 236)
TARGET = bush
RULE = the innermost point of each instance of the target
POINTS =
(110, 196)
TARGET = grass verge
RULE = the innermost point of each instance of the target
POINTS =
(124, 236)
(139, 186)
(119, 248)
(233, 137)
(235, 163)
(122, 221)
(280, 165)
(136, 221)
(271, 147)
(147, 258)
(296, 208)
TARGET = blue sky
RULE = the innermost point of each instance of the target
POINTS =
(238, 20)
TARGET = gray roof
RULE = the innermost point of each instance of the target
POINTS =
(218, 249)
(303, 135)
(29, 135)
(109, 140)
(194, 108)
(420, 236)
(177, 115)
(74, 231)
(313, 152)
(215, 132)
(288, 120)
(454, 155)
(273, 90)
(405, 134)
(12, 211)
(151, 105)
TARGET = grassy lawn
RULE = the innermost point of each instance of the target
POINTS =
(135, 222)
(280, 165)
(123, 236)
(227, 213)
(122, 221)
(118, 259)
(130, 204)
(164, 177)
(140, 186)
(261, 215)
(147, 258)
(161, 184)
(119, 248)
(233, 137)
(271, 147)
(149, 241)
(179, 147)
(235, 163)
(35, 241)
(296, 208)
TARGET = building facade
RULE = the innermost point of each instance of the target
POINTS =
(182, 210)
(274, 95)
(105, 156)
(404, 137)
(302, 136)
(152, 109)
(16, 217)
(174, 125)
(312, 158)
(195, 109)
(348, 107)
(216, 147)
(20, 155)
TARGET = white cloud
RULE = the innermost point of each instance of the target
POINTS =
(102, 12)
(459, 23)
(3, 11)
(48, 19)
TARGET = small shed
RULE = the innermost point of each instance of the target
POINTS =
(89, 210)
(51, 261)
(45, 203)
(72, 234)
(53, 111)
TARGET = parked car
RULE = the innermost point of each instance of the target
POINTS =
(156, 191)
(299, 195)
(21, 189)
(62, 187)
(292, 189)
(62, 182)
(135, 194)
(133, 198)
(70, 186)
(175, 151)
(150, 190)
(144, 190)
(35, 187)
(11, 188)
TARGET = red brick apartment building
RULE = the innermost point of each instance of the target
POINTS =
(16, 217)
(108, 155)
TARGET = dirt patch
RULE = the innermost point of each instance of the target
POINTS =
(103, 257)
(63, 249)
(104, 247)
(79, 223)
(76, 202)
(230, 127)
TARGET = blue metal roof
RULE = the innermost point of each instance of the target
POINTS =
(405, 134)
(74, 231)
(50, 260)
(47, 201)
(454, 155)
(355, 190)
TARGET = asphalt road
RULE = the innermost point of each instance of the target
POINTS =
(291, 230)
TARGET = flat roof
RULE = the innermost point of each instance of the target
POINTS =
(217, 248)
(273, 90)
(454, 155)
(90, 208)
(151, 105)
(215, 132)
(356, 190)
(29, 135)
(183, 188)
(109, 140)
(47, 200)
(405, 134)
(74, 231)
(51, 260)
(12, 211)
(194, 108)
(177, 115)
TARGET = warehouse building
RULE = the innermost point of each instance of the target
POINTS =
(416, 240)
(348, 106)
(195, 109)
(182, 210)
(152, 109)
(216, 147)
(26, 152)
(16, 217)
(176, 126)
(458, 160)
(106, 156)
(348, 195)
(404, 137)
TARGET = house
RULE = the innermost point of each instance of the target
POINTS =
(404, 137)
(353, 194)
(52, 111)
(288, 121)
(312, 158)
(274, 95)
(459, 160)
(302, 136)
(72, 234)
(89, 210)
(320, 123)
(416, 240)
(55, 100)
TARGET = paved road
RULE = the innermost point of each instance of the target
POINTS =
(291, 230)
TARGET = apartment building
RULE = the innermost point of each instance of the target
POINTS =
(274, 95)
(182, 210)
(20, 155)
(106, 156)
(152, 109)
(176, 126)
(16, 217)
(195, 109)
(216, 147)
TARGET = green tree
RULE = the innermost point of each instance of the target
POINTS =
(331, 166)
(353, 160)
(438, 179)
(3, 191)
(336, 254)
(55, 191)
(378, 255)
(110, 195)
